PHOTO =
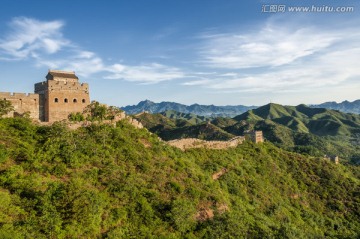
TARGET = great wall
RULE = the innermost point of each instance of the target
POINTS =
(53, 99)
(62, 94)
(187, 143)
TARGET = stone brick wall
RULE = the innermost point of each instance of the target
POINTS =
(198, 143)
(256, 136)
(23, 103)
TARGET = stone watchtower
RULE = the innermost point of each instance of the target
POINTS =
(60, 95)
(255, 135)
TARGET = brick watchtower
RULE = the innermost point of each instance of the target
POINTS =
(60, 95)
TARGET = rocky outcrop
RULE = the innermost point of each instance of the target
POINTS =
(217, 175)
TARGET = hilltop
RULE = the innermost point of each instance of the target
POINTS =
(105, 181)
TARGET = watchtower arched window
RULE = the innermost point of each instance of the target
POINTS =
(83, 100)
(75, 100)
(65, 100)
(56, 100)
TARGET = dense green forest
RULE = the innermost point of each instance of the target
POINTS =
(103, 181)
(171, 125)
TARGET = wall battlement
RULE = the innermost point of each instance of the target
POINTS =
(15, 95)
(23, 103)
(56, 84)
(63, 85)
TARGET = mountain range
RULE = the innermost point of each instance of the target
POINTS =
(345, 106)
(224, 111)
(313, 131)
(202, 110)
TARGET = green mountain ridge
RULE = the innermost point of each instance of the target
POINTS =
(345, 106)
(191, 118)
(171, 125)
(301, 118)
(312, 131)
(103, 181)
(225, 111)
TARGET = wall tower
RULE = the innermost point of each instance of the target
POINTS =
(60, 95)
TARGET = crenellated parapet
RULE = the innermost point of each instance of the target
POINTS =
(18, 96)
(23, 103)
(69, 86)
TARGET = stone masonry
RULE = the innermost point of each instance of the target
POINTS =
(54, 99)
(23, 103)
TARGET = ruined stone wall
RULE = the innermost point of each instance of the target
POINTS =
(23, 103)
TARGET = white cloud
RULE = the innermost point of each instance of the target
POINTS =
(293, 57)
(330, 69)
(150, 73)
(198, 82)
(31, 37)
(44, 42)
(273, 45)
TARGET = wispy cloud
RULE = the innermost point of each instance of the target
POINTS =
(272, 46)
(29, 37)
(149, 73)
(278, 59)
(203, 82)
(44, 42)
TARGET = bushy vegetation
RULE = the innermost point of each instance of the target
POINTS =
(120, 182)
(5, 107)
(171, 125)
(95, 111)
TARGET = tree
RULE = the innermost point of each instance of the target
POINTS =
(96, 111)
(5, 107)
(77, 117)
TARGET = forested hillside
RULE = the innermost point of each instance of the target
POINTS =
(312, 131)
(170, 125)
(120, 182)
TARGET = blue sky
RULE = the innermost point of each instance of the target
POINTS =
(208, 52)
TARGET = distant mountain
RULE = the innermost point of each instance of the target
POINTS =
(201, 110)
(345, 106)
(191, 118)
